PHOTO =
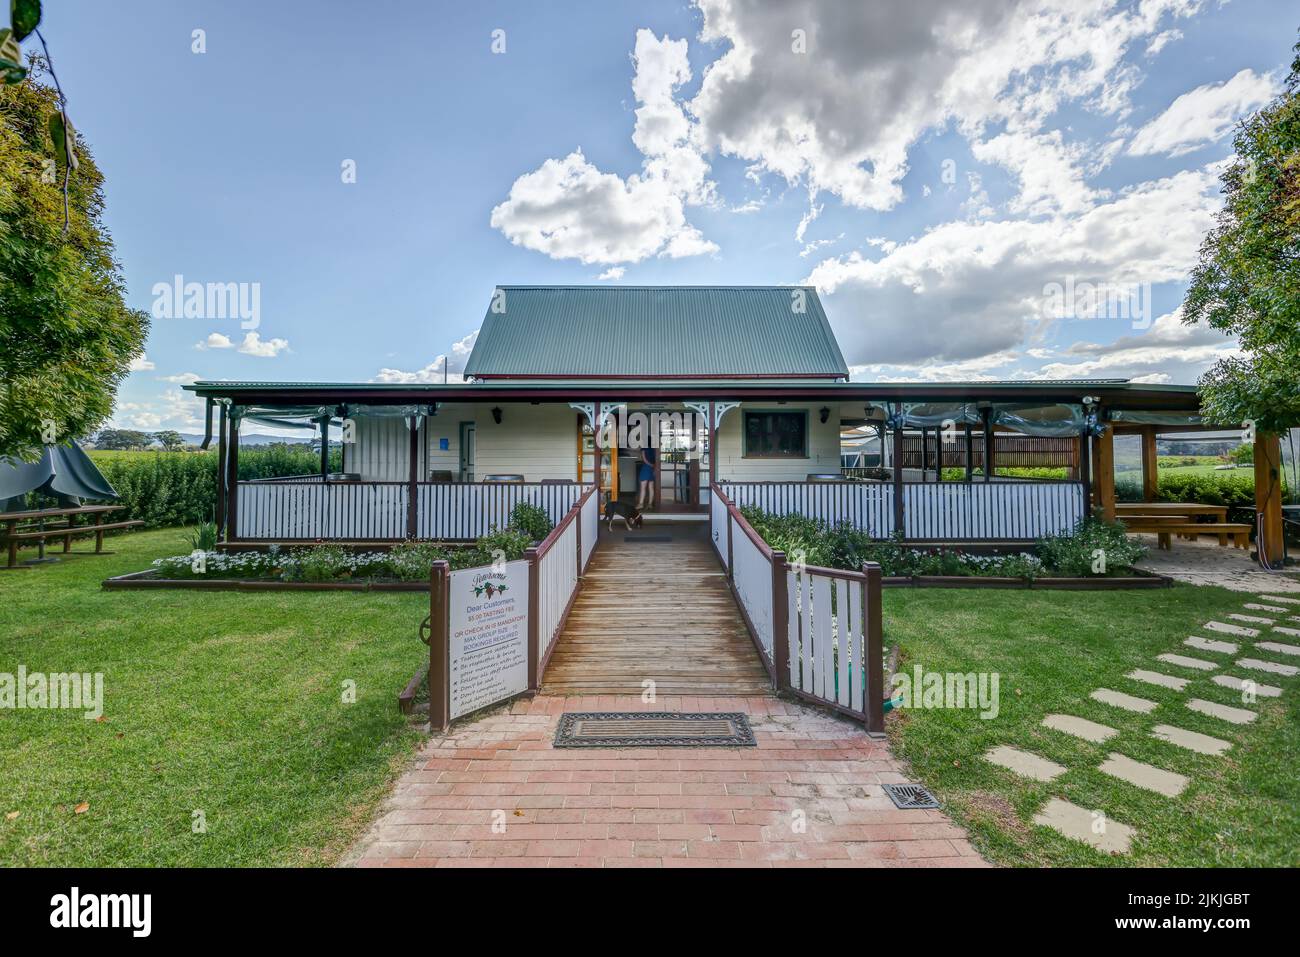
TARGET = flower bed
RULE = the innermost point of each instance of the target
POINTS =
(403, 567)
(1096, 550)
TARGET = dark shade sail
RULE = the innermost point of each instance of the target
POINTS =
(64, 471)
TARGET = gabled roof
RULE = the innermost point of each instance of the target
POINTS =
(655, 332)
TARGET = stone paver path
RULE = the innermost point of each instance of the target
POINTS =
(1079, 727)
(1143, 775)
(1222, 711)
(1090, 827)
(1247, 684)
(494, 792)
(1191, 740)
(1158, 678)
(1118, 699)
(1024, 763)
(1278, 648)
(1272, 667)
(1200, 664)
(1227, 629)
(1210, 644)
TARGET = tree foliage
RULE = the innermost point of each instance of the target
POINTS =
(66, 336)
(1247, 282)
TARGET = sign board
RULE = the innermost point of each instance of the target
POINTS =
(488, 632)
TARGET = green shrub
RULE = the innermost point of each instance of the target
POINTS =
(508, 542)
(532, 520)
(411, 561)
(204, 536)
(1074, 555)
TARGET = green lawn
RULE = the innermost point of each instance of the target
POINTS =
(226, 703)
(1051, 649)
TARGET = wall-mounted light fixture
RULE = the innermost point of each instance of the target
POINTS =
(825, 414)
(496, 414)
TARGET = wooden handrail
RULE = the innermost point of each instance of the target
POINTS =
(754, 537)
(571, 515)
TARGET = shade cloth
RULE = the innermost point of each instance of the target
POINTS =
(64, 471)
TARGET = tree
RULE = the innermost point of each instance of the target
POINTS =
(66, 335)
(170, 441)
(1247, 282)
(123, 440)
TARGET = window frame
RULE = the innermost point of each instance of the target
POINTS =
(745, 453)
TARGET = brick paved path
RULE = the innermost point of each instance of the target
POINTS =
(808, 795)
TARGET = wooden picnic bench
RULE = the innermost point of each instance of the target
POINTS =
(18, 528)
(1165, 519)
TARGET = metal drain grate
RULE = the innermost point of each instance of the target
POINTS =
(910, 797)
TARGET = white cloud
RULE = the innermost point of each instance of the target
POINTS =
(449, 365)
(1049, 171)
(215, 340)
(966, 290)
(569, 209)
(255, 345)
(842, 117)
(1204, 115)
(140, 363)
(183, 378)
(613, 272)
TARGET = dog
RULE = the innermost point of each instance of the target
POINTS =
(617, 510)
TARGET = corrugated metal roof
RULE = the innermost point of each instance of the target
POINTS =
(655, 332)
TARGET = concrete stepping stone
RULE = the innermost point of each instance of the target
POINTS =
(1222, 711)
(1156, 678)
(1240, 684)
(1191, 740)
(1200, 664)
(1277, 647)
(1254, 606)
(1227, 629)
(1118, 699)
(1209, 644)
(1280, 598)
(1024, 763)
(1272, 667)
(1255, 619)
(1143, 775)
(1078, 823)
(1079, 727)
(1287, 631)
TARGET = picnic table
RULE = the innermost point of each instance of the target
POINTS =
(20, 527)
(1164, 519)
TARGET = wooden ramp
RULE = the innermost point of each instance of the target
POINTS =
(657, 610)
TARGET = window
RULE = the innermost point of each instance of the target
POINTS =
(776, 435)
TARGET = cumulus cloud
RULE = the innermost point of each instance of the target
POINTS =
(255, 345)
(450, 366)
(1204, 115)
(569, 209)
(841, 117)
(613, 272)
(140, 363)
(965, 290)
(182, 378)
(215, 340)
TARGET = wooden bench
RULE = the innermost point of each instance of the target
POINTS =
(1240, 534)
(18, 528)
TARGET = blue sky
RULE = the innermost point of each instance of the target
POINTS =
(940, 171)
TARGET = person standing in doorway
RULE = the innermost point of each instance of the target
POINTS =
(645, 477)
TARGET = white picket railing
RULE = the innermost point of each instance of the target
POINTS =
(864, 505)
(990, 511)
(377, 511)
(559, 562)
(589, 517)
(827, 629)
(933, 511)
(818, 629)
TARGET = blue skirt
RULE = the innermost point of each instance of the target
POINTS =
(646, 473)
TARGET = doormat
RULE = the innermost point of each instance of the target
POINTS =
(653, 729)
